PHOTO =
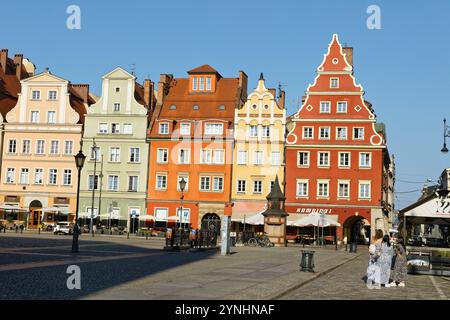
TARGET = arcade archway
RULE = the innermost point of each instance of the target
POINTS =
(35, 214)
(357, 229)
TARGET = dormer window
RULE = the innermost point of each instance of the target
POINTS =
(201, 84)
(334, 83)
(173, 107)
(164, 128)
(194, 84)
(116, 107)
(221, 107)
(195, 107)
(208, 83)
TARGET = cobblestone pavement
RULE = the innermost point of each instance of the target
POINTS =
(34, 266)
(346, 283)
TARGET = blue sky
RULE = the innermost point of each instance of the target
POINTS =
(404, 67)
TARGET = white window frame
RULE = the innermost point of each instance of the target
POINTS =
(117, 125)
(258, 157)
(66, 142)
(117, 155)
(327, 130)
(208, 81)
(239, 184)
(253, 132)
(38, 115)
(117, 184)
(343, 103)
(28, 151)
(103, 130)
(158, 213)
(261, 185)
(10, 179)
(35, 176)
(219, 156)
(354, 136)
(161, 152)
(51, 151)
(349, 160)
(163, 185)
(185, 128)
(208, 159)
(50, 174)
(194, 83)
(319, 165)
(307, 137)
(242, 157)
(115, 104)
(331, 83)
(49, 95)
(200, 183)
(50, 118)
(363, 196)
(265, 131)
(187, 156)
(43, 146)
(346, 133)
(27, 176)
(214, 178)
(275, 158)
(65, 175)
(308, 153)
(304, 182)
(370, 160)
(322, 103)
(213, 128)
(38, 93)
(324, 182)
(136, 180)
(127, 128)
(343, 182)
(164, 128)
(95, 182)
(201, 83)
(136, 159)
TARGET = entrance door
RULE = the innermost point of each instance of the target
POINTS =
(35, 213)
(211, 226)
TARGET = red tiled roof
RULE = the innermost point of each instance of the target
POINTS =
(9, 89)
(206, 68)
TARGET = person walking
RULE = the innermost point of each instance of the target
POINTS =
(385, 260)
(400, 266)
(373, 269)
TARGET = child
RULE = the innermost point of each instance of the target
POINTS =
(400, 268)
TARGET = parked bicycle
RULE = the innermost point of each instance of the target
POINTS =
(262, 241)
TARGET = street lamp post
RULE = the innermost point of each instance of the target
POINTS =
(182, 186)
(94, 153)
(79, 161)
(100, 191)
(446, 135)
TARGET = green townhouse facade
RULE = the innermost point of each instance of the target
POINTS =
(114, 177)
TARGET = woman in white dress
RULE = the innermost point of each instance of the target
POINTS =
(373, 269)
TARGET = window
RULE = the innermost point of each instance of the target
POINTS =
(51, 117)
(302, 188)
(161, 182)
(342, 107)
(94, 153)
(195, 107)
(115, 128)
(67, 178)
(365, 160)
(257, 186)
(35, 95)
(308, 133)
(116, 107)
(26, 146)
(322, 189)
(334, 83)
(275, 158)
(219, 156)
(113, 183)
(253, 131)
(34, 117)
(132, 183)
(303, 159)
(93, 182)
(364, 190)
(184, 156)
(218, 184)
(242, 157)
(68, 148)
(135, 155)
(24, 173)
(208, 83)
(358, 133)
(324, 133)
(214, 128)
(205, 156)
(114, 154)
(52, 176)
(341, 133)
(325, 107)
(163, 155)
(117, 90)
(185, 128)
(161, 213)
(184, 216)
(54, 147)
(201, 83)
(52, 95)
(343, 189)
(266, 131)
(258, 157)
(186, 178)
(10, 175)
(164, 128)
(205, 183)
(40, 144)
(38, 176)
(194, 84)
(173, 107)
(12, 146)
(241, 186)
(323, 159)
(103, 128)
(344, 159)
(128, 128)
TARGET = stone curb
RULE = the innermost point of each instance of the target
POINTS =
(282, 293)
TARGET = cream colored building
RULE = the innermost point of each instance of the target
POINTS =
(41, 135)
(259, 150)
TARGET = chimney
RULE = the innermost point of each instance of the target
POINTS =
(243, 80)
(3, 59)
(348, 51)
(282, 99)
(148, 94)
(163, 86)
(18, 59)
(82, 90)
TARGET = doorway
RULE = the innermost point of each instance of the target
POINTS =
(35, 214)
